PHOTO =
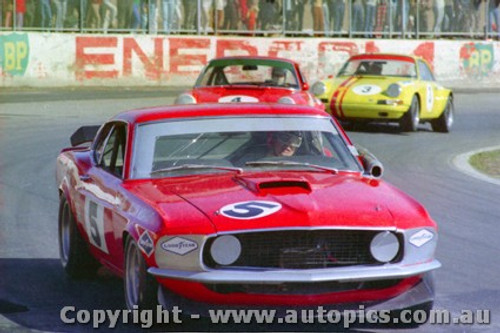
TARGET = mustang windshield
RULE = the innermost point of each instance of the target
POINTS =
(240, 144)
(255, 72)
(379, 67)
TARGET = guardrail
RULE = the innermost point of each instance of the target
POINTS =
(406, 19)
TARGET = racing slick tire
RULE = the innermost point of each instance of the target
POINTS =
(445, 121)
(410, 120)
(73, 251)
(141, 289)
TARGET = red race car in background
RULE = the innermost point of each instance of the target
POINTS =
(250, 79)
(248, 205)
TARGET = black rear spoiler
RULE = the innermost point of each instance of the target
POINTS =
(84, 134)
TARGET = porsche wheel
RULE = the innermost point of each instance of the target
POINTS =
(73, 251)
(410, 120)
(141, 289)
(445, 121)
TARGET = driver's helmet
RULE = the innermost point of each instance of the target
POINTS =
(278, 75)
(289, 138)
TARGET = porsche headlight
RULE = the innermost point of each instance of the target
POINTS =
(185, 99)
(384, 246)
(286, 100)
(225, 250)
(394, 90)
(318, 88)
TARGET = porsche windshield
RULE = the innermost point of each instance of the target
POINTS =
(379, 67)
(239, 144)
(254, 72)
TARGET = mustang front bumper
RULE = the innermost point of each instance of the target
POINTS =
(260, 276)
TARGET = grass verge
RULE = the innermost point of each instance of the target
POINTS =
(487, 162)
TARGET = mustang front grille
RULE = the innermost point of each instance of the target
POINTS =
(302, 249)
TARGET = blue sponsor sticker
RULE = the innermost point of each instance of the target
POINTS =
(146, 243)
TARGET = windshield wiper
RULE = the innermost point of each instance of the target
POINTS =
(288, 163)
(196, 166)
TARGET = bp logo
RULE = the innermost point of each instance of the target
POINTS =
(14, 53)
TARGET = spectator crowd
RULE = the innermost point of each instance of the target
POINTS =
(356, 18)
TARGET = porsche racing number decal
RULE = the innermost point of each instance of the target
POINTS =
(430, 98)
(367, 89)
(94, 224)
(238, 99)
(248, 210)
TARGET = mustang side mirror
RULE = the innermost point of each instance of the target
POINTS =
(373, 167)
(84, 134)
(305, 86)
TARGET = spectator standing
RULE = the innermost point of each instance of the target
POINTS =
(190, 9)
(231, 15)
(206, 7)
(426, 10)
(148, 16)
(94, 14)
(318, 18)
(76, 13)
(267, 13)
(403, 13)
(358, 15)
(61, 8)
(380, 20)
(45, 14)
(253, 13)
(494, 17)
(124, 8)
(370, 13)
(300, 9)
(338, 16)
(168, 14)
(135, 20)
(438, 15)
(220, 5)
(449, 16)
(109, 15)
(290, 8)
(243, 13)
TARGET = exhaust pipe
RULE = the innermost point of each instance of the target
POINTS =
(373, 167)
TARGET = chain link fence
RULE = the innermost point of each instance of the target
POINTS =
(412, 19)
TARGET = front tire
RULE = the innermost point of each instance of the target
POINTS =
(410, 120)
(73, 251)
(141, 289)
(445, 121)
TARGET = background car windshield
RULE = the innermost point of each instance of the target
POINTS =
(378, 67)
(249, 74)
(170, 145)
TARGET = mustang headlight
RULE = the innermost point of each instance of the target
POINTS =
(394, 90)
(384, 246)
(286, 100)
(225, 250)
(318, 88)
(185, 99)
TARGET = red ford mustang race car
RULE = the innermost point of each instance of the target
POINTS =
(250, 79)
(254, 205)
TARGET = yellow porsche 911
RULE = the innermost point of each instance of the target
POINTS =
(390, 88)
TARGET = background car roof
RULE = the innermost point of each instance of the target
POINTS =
(216, 110)
(253, 58)
(386, 56)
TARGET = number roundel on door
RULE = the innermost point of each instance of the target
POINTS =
(248, 210)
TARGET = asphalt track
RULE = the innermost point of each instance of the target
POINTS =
(35, 125)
